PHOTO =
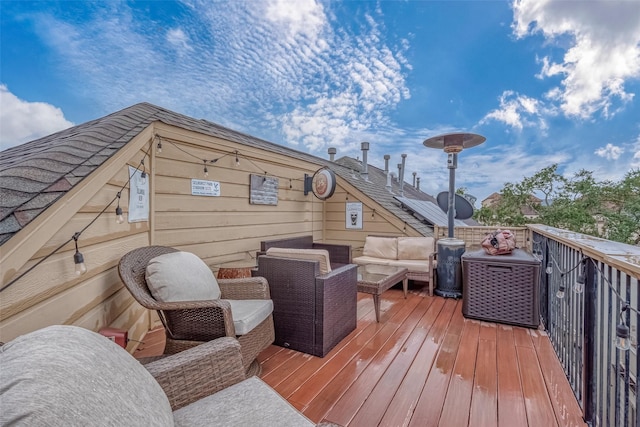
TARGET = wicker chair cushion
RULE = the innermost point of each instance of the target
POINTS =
(248, 403)
(415, 247)
(249, 313)
(181, 276)
(381, 247)
(320, 255)
(70, 376)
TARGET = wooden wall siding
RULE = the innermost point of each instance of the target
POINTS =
(225, 229)
(53, 294)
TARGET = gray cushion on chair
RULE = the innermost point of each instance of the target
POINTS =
(249, 313)
(70, 376)
(248, 403)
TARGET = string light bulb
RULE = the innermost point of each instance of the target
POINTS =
(206, 171)
(560, 293)
(623, 341)
(119, 216)
(143, 175)
(549, 269)
(237, 160)
(78, 259)
(578, 287)
(159, 147)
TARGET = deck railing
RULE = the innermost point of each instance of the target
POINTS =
(582, 323)
(588, 287)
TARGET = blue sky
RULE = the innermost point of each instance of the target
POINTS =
(545, 81)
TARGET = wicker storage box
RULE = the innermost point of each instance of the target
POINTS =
(501, 288)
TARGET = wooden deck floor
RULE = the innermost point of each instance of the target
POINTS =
(424, 364)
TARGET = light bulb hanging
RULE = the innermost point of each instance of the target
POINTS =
(237, 160)
(206, 171)
(578, 287)
(119, 216)
(78, 259)
(159, 147)
(143, 175)
(560, 293)
(623, 340)
(549, 268)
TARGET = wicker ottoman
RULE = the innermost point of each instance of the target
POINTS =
(501, 288)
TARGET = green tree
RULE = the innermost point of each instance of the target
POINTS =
(580, 203)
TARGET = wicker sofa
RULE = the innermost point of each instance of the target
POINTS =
(314, 300)
(417, 254)
(70, 376)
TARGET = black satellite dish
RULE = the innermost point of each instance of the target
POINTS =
(464, 209)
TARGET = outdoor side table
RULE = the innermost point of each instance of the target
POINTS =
(374, 279)
(501, 288)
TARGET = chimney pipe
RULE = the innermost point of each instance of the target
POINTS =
(404, 158)
(365, 169)
(386, 163)
(332, 152)
(414, 179)
(418, 183)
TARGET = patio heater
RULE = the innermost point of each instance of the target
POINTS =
(450, 249)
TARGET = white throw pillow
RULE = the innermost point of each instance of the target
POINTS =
(181, 276)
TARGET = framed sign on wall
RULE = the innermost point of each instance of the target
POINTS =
(353, 215)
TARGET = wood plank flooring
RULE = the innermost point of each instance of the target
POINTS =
(424, 364)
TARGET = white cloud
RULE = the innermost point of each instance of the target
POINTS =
(23, 121)
(518, 111)
(604, 50)
(610, 152)
(178, 39)
(314, 82)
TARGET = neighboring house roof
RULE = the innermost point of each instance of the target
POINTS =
(36, 174)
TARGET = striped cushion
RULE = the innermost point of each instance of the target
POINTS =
(320, 255)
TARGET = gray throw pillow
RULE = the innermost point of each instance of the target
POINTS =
(181, 276)
(70, 376)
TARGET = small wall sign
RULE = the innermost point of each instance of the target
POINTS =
(354, 216)
(201, 187)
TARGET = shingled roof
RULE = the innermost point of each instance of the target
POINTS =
(36, 174)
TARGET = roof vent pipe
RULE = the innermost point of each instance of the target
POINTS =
(388, 186)
(365, 170)
(414, 179)
(386, 163)
(418, 183)
(332, 153)
(404, 158)
(399, 171)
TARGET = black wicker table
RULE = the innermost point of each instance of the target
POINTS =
(374, 279)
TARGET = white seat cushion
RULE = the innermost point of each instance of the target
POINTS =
(181, 276)
(249, 313)
(320, 255)
(248, 403)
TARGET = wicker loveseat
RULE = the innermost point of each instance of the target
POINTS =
(417, 254)
(313, 309)
(70, 376)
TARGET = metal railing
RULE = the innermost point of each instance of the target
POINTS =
(588, 287)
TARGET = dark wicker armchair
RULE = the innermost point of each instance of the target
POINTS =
(190, 323)
(312, 311)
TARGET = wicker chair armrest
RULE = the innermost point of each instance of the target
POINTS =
(200, 371)
(245, 288)
(342, 270)
(338, 254)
